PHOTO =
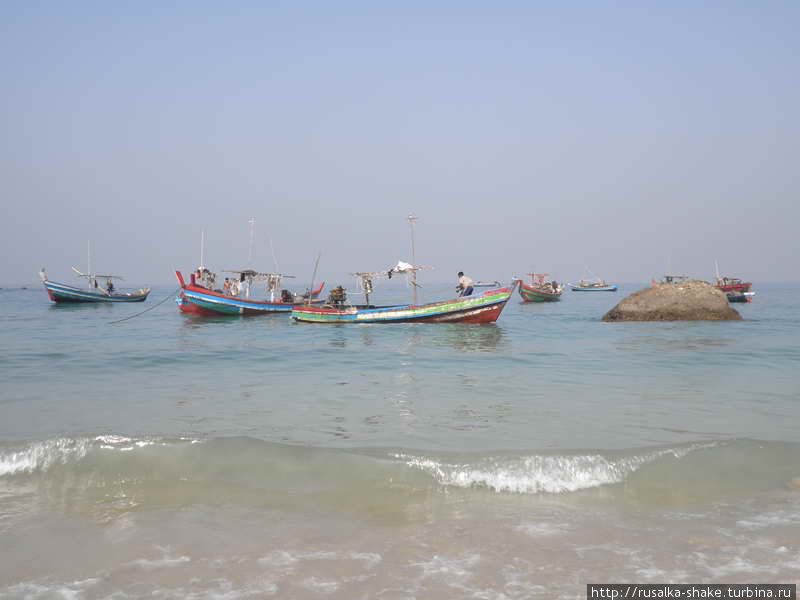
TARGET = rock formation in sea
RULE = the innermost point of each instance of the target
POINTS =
(692, 300)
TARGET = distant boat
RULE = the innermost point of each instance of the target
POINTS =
(592, 283)
(539, 289)
(200, 297)
(737, 296)
(94, 292)
(730, 284)
(61, 293)
(495, 284)
(598, 285)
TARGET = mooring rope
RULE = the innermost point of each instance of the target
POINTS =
(172, 295)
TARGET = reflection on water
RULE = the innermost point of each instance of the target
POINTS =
(366, 336)
(244, 322)
(78, 306)
(406, 338)
(664, 344)
(469, 338)
(194, 322)
(338, 338)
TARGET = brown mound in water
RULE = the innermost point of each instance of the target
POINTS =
(687, 301)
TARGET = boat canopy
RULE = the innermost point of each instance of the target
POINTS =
(251, 274)
(93, 276)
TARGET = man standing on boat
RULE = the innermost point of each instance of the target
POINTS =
(464, 286)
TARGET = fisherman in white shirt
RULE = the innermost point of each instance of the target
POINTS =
(464, 286)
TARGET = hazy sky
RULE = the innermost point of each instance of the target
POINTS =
(550, 135)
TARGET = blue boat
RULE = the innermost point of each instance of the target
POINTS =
(591, 283)
(198, 297)
(592, 286)
(61, 292)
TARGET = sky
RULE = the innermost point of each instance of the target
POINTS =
(629, 137)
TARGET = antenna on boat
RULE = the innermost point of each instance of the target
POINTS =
(252, 222)
(89, 257)
(202, 247)
(274, 260)
(716, 267)
(313, 276)
(411, 220)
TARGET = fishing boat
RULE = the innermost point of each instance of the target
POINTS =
(539, 289)
(237, 295)
(477, 308)
(94, 292)
(597, 285)
(592, 283)
(61, 292)
(201, 297)
(730, 284)
(737, 296)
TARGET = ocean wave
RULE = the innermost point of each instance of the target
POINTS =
(42, 456)
(195, 468)
(542, 473)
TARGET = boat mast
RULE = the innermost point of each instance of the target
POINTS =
(89, 276)
(313, 277)
(716, 267)
(202, 247)
(252, 222)
(274, 259)
(411, 220)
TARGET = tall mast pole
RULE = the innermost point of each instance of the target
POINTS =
(202, 247)
(252, 233)
(411, 220)
(89, 257)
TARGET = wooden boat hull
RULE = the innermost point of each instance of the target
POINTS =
(61, 293)
(605, 288)
(534, 294)
(735, 287)
(197, 300)
(736, 296)
(478, 308)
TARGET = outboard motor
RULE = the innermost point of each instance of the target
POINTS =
(337, 296)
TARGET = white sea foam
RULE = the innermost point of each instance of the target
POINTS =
(772, 519)
(323, 586)
(541, 473)
(739, 565)
(40, 591)
(40, 456)
(165, 562)
(283, 558)
(453, 569)
(543, 529)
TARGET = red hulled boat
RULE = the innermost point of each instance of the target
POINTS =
(732, 284)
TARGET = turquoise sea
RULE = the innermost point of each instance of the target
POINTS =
(170, 456)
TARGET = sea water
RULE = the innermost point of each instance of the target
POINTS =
(170, 456)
